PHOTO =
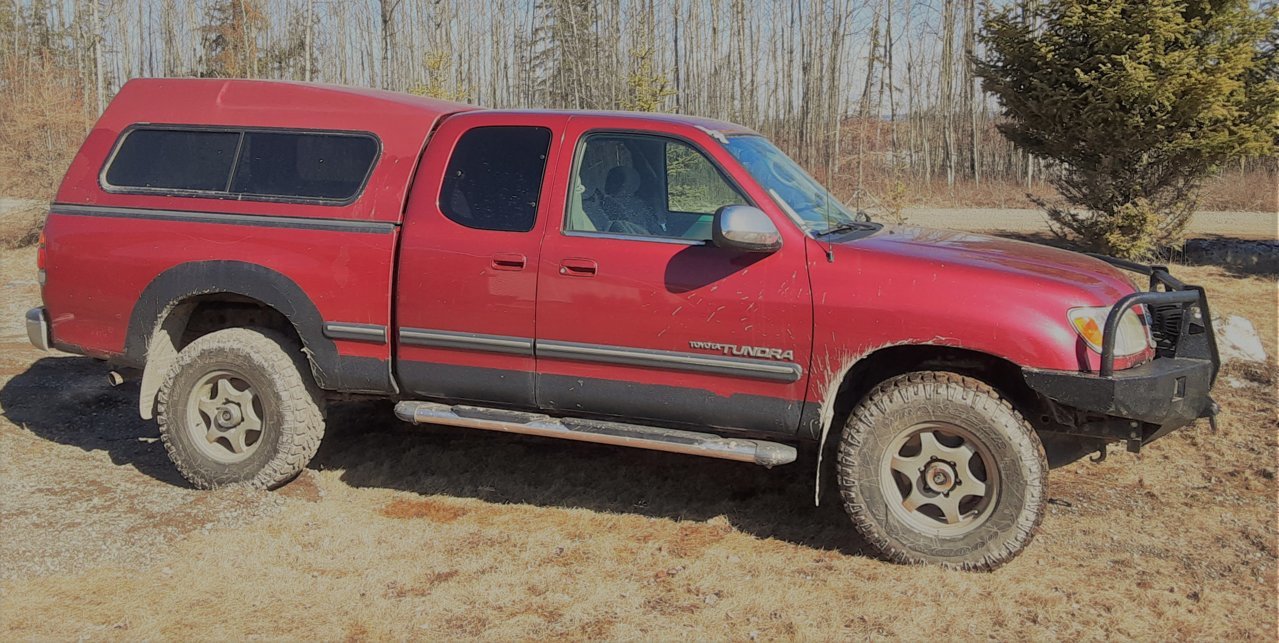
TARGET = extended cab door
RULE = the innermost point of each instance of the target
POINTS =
(468, 260)
(639, 316)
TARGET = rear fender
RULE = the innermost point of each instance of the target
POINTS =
(160, 317)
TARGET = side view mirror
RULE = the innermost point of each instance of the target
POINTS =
(746, 228)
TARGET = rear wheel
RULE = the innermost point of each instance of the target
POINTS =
(239, 406)
(936, 467)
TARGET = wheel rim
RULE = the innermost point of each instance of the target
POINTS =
(224, 417)
(940, 479)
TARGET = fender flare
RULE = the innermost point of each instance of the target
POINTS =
(820, 417)
(163, 309)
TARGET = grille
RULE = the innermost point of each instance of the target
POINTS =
(1165, 326)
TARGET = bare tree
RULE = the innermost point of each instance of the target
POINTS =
(884, 85)
(99, 86)
(389, 36)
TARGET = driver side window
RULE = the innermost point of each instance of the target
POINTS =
(646, 186)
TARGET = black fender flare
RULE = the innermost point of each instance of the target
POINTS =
(859, 373)
(160, 312)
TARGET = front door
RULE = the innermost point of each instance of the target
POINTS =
(640, 317)
(468, 263)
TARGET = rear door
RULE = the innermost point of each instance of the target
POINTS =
(639, 316)
(468, 262)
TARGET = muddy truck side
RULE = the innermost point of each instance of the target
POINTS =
(251, 250)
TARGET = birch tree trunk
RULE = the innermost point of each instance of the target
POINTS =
(99, 85)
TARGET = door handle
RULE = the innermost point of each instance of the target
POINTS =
(579, 267)
(508, 261)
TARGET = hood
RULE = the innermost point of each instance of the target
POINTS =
(950, 250)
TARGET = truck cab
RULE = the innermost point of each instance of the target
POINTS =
(251, 250)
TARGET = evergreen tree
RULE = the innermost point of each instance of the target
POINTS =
(1137, 100)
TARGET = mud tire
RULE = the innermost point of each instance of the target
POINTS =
(902, 402)
(292, 405)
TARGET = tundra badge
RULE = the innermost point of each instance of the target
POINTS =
(744, 351)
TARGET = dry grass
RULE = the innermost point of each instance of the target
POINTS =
(432, 510)
(407, 533)
(1250, 191)
(21, 228)
(43, 121)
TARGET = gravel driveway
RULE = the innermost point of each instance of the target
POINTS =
(1243, 225)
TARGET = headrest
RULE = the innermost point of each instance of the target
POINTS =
(622, 180)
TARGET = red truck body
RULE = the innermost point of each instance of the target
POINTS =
(923, 292)
(390, 296)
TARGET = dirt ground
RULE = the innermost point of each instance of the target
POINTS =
(403, 532)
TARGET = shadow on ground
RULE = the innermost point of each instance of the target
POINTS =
(373, 449)
(67, 400)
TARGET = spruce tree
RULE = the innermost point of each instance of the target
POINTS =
(1137, 101)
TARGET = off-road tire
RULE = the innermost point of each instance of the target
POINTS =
(903, 402)
(293, 407)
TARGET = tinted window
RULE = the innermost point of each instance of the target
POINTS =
(495, 177)
(174, 159)
(281, 165)
(314, 166)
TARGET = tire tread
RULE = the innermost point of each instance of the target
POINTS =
(956, 388)
(301, 403)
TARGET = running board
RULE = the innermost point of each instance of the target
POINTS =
(768, 454)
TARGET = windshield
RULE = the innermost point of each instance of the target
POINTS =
(799, 194)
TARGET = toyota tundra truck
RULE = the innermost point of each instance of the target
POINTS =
(249, 250)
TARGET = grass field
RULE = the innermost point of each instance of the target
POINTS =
(401, 532)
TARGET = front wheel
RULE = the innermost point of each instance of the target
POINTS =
(935, 467)
(239, 406)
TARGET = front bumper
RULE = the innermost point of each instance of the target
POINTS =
(38, 328)
(1137, 405)
(1141, 404)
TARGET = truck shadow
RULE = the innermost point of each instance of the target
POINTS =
(67, 400)
(373, 449)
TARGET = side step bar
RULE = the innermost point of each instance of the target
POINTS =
(768, 454)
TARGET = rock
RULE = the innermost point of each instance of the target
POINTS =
(1237, 339)
(1260, 256)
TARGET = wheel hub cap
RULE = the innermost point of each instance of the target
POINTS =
(224, 417)
(229, 416)
(940, 477)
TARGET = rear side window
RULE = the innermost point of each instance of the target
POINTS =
(174, 160)
(494, 179)
(319, 166)
(252, 164)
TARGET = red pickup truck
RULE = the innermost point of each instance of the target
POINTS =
(249, 249)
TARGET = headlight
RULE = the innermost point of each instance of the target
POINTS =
(1133, 336)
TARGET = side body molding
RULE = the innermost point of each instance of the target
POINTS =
(160, 314)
